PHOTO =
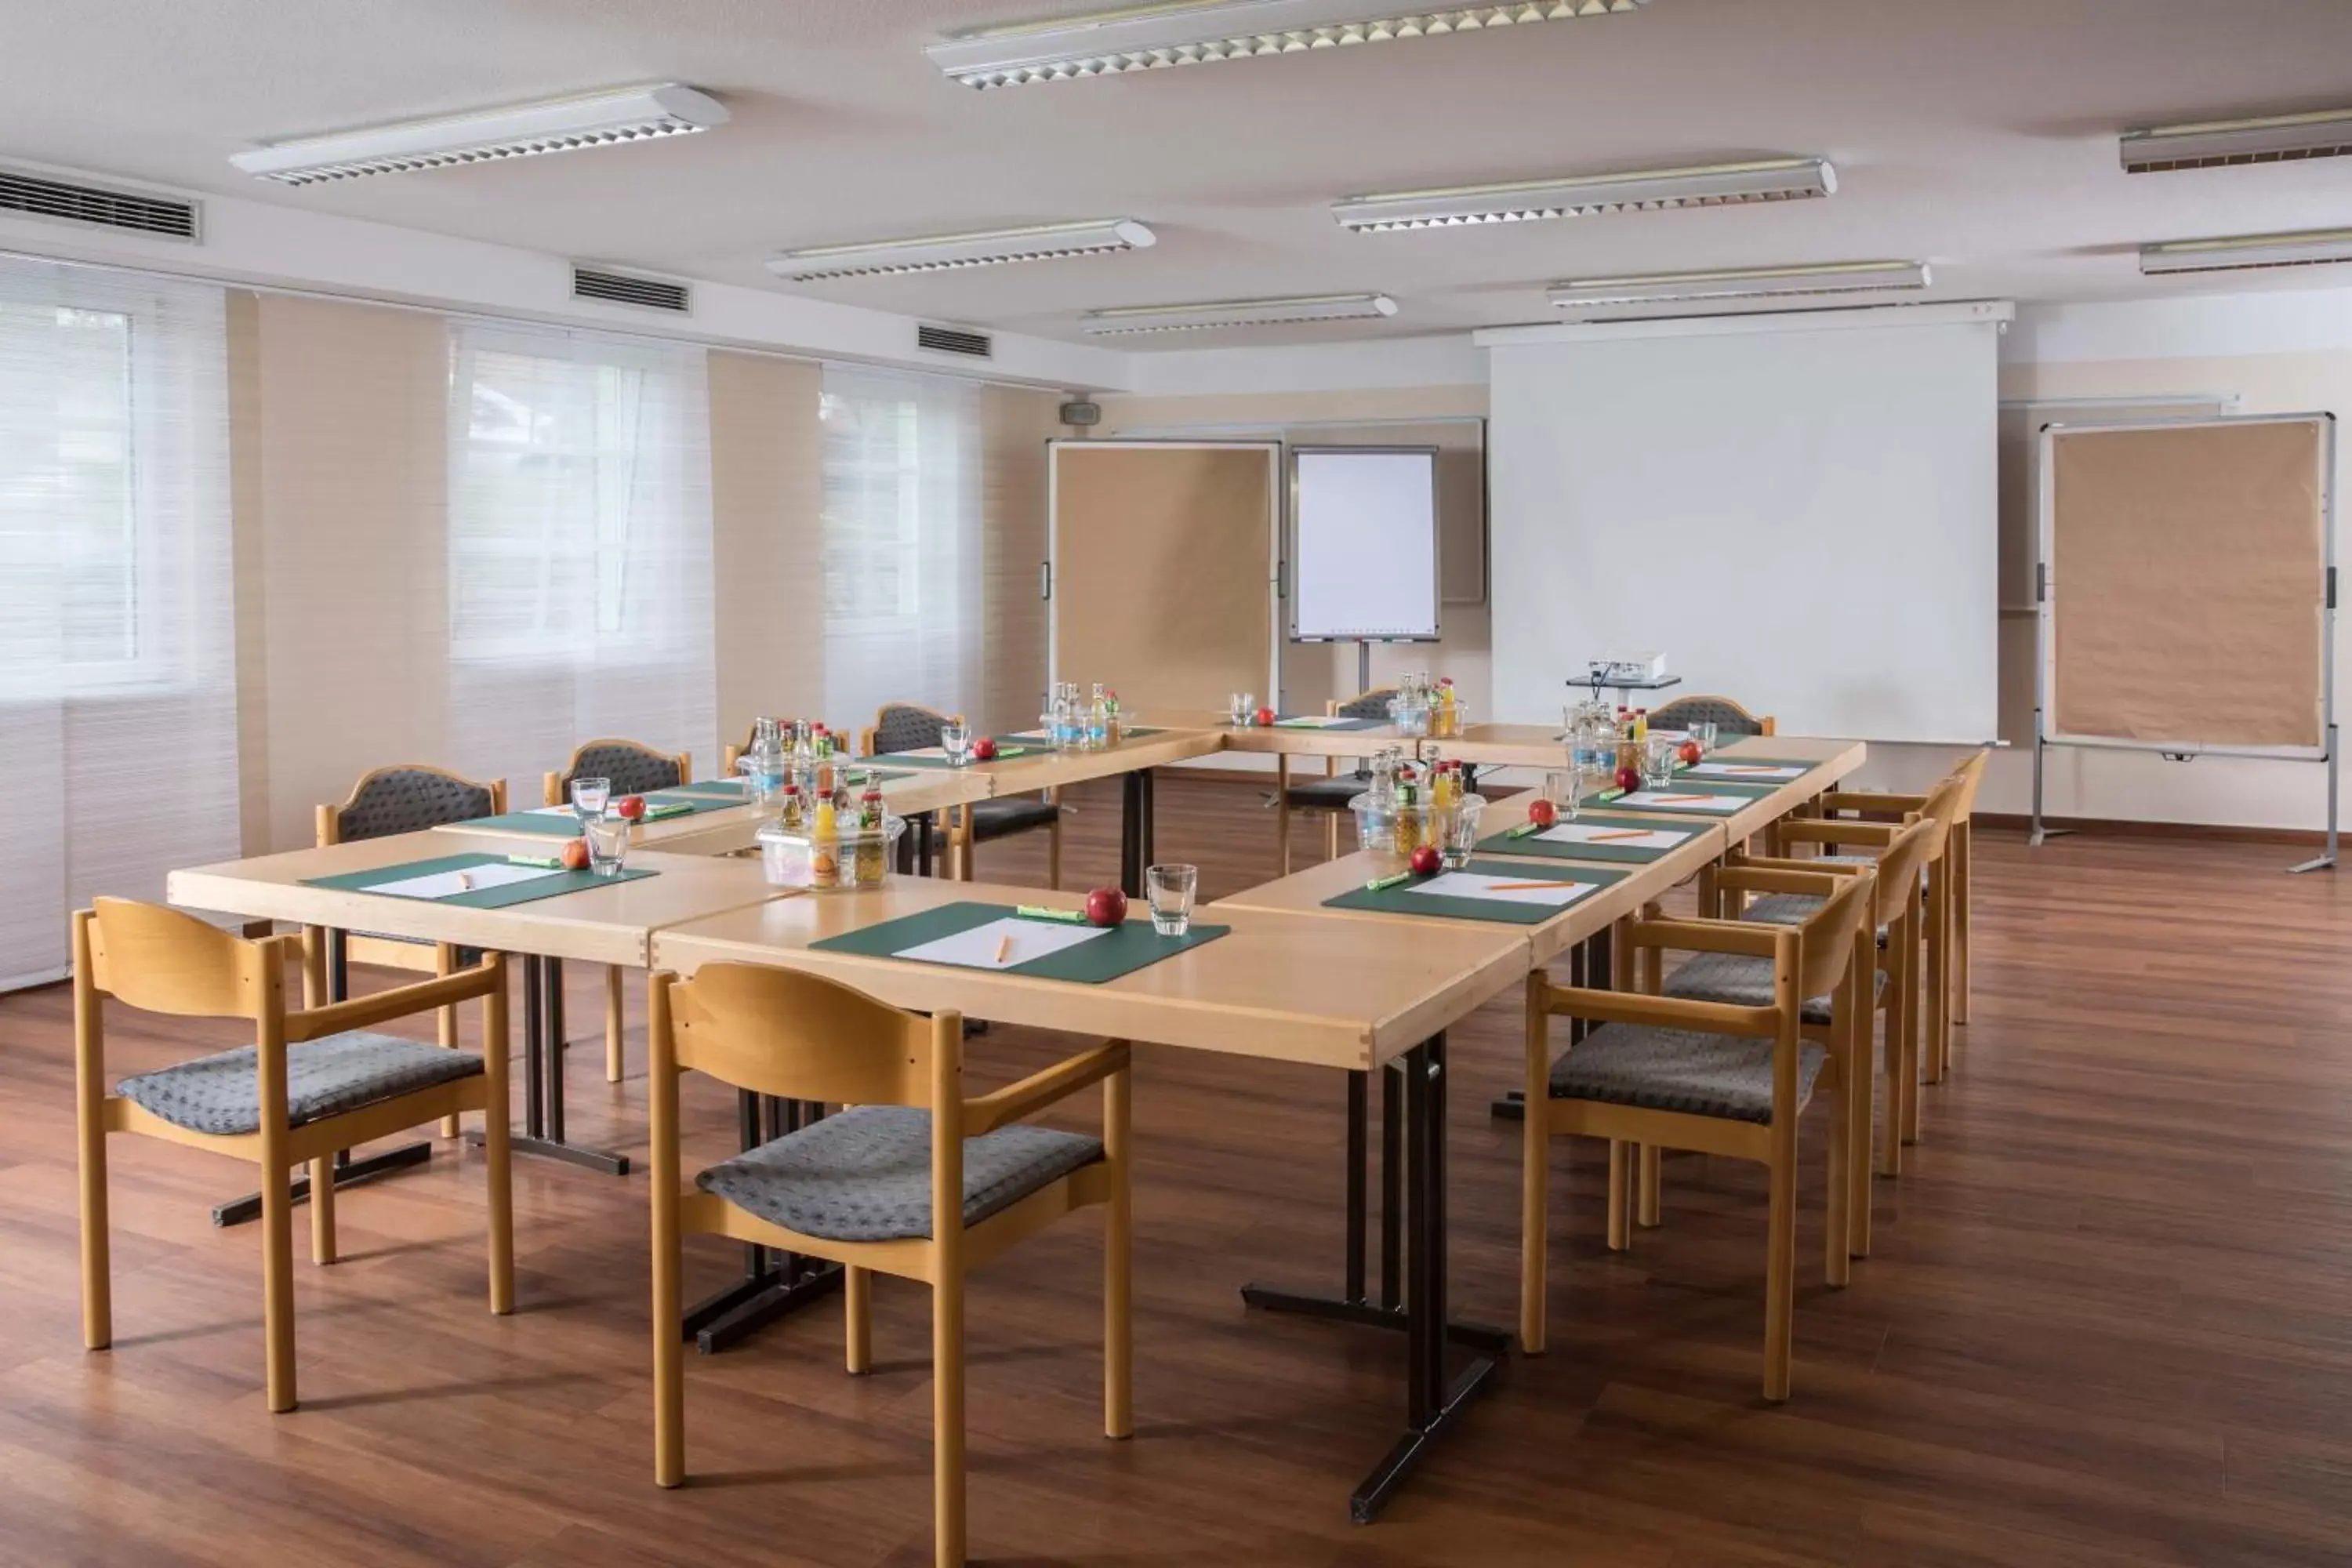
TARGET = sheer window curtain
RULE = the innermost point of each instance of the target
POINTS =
(902, 544)
(117, 663)
(580, 550)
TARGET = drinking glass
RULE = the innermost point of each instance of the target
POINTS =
(1169, 889)
(955, 740)
(1658, 762)
(1563, 787)
(608, 844)
(1457, 832)
(1241, 707)
(588, 797)
(1704, 732)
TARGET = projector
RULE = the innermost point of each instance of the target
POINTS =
(1628, 669)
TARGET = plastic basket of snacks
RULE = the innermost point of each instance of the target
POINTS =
(826, 857)
(1407, 821)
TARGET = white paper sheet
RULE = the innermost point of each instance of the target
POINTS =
(1761, 772)
(1477, 885)
(1682, 800)
(473, 879)
(1629, 837)
(976, 948)
(550, 811)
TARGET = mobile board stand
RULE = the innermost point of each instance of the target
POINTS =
(2200, 579)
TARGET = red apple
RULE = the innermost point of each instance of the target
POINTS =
(1105, 907)
(631, 807)
(983, 750)
(1629, 779)
(1542, 813)
(1689, 752)
(575, 855)
(1265, 718)
(1427, 861)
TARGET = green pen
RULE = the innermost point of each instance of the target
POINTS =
(1611, 795)
(549, 862)
(1383, 884)
(1523, 829)
(1040, 912)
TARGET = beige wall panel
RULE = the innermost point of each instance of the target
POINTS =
(1015, 424)
(767, 542)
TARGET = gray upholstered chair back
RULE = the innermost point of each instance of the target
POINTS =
(633, 769)
(1372, 704)
(905, 727)
(409, 800)
(1727, 717)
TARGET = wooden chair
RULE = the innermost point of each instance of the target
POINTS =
(1714, 1077)
(312, 1082)
(1729, 717)
(1949, 806)
(634, 768)
(1332, 792)
(863, 1186)
(1886, 947)
(912, 727)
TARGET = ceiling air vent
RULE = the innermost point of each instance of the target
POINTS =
(955, 341)
(39, 195)
(627, 288)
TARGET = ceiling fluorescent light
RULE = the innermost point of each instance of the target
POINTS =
(939, 252)
(1238, 314)
(1741, 283)
(595, 120)
(1146, 37)
(2219, 143)
(2315, 248)
(1644, 190)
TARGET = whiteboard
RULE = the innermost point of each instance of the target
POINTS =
(1801, 515)
(1363, 544)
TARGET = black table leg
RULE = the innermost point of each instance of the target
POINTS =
(923, 848)
(775, 1283)
(348, 1172)
(1413, 1263)
(542, 1075)
(1132, 852)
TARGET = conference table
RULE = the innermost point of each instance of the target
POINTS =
(1294, 980)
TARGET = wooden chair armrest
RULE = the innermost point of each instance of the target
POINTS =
(1803, 867)
(1871, 800)
(1664, 1011)
(381, 1006)
(1750, 878)
(1832, 830)
(1039, 1089)
(1747, 938)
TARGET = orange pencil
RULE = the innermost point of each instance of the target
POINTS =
(1668, 799)
(1612, 837)
(1003, 946)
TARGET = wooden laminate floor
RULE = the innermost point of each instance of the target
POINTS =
(2108, 1322)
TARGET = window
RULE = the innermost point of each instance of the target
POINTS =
(902, 543)
(117, 630)
(579, 548)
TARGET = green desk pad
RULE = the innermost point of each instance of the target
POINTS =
(1608, 795)
(1533, 844)
(529, 892)
(909, 759)
(1402, 899)
(731, 789)
(1132, 946)
(569, 827)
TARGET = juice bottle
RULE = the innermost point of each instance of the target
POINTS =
(869, 837)
(1408, 816)
(795, 810)
(1117, 727)
(1447, 721)
(825, 847)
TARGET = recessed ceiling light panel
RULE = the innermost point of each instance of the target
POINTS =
(1238, 314)
(2221, 143)
(1148, 37)
(941, 252)
(1644, 190)
(562, 125)
(2248, 253)
(1740, 283)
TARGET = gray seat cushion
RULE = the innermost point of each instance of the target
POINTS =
(222, 1094)
(1791, 910)
(1725, 1076)
(1742, 981)
(866, 1174)
(1329, 795)
(1012, 814)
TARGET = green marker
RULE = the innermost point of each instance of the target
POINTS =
(1040, 912)
(1523, 829)
(547, 862)
(1383, 884)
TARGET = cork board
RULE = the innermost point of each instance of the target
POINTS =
(2189, 582)
(1163, 570)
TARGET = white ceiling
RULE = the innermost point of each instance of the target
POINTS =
(1980, 135)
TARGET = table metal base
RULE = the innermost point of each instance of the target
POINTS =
(1136, 829)
(774, 1284)
(542, 1075)
(1412, 1257)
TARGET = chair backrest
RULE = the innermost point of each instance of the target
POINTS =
(632, 766)
(407, 797)
(1372, 704)
(904, 727)
(801, 1036)
(163, 960)
(1825, 940)
(1727, 717)
(1941, 807)
(1899, 865)
(1971, 775)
